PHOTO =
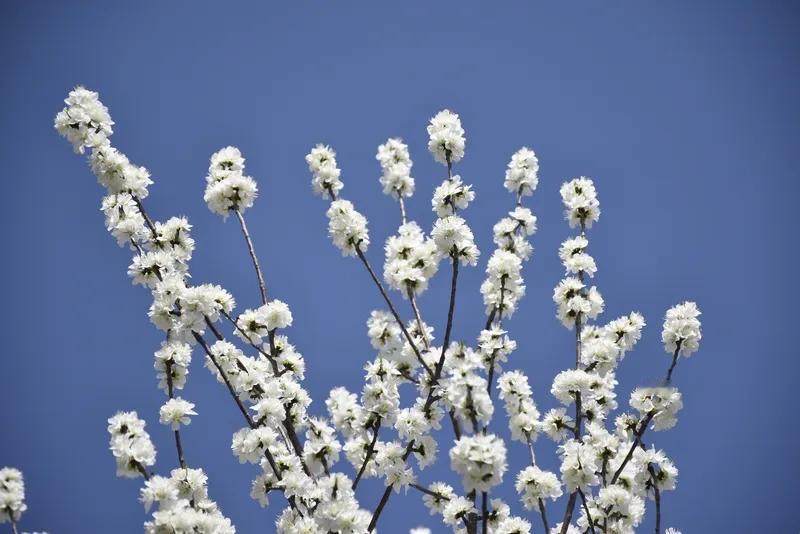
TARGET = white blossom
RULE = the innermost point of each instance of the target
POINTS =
(681, 325)
(446, 137)
(12, 495)
(480, 460)
(176, 412)
(522, 172)
(396, 164)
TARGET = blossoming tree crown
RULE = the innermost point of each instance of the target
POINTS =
(310, 460)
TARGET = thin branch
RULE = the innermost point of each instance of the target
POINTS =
(638, 437)
(402, 208)
(427, 491)
(586, 509)
(375, 429)
(376, 515)
(171, 394)
(262, 287)
(657, 492)
(485, 512)
(397, 319)
(543, 513)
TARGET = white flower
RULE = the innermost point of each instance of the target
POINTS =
(130, 444)
(571, 382)
(522, 173)
(513, 525)
(454, 238)
(665, 474)
(115, 172)
(533, 485)
(442, 494)
(175, 412)
(663, 402)
(227, 187)
(456, 509)
(411, 260)
(446, 137)
(480, 460)
(625, 510)
(12, 495)
(347, 227)
(396, 164)
(578, 465)
(681, 325)
(419, 530)
(580, 202)
(325, 173)
(450, 196)
(503, 286)
(84, 121)
(572, 299)
(574, 257)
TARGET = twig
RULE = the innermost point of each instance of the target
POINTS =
(375, 428)
(261, 285)
(397, 319)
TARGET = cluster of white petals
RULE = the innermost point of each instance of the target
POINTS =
(85, 121)
(480, 460)
(412, 259)
(682, 328)
(454, 238)
(176, 412)
(131, 445)
(12, 495)
(183, 504)
(347, 227)
(446, 137)
(396, 164)
(581, 207)
(522, 174)
(325, 172)
(227, 187)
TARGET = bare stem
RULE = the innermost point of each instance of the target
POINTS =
(402, 209)
(543, 513)
(377, 514)
(261, 285)
(485, 512)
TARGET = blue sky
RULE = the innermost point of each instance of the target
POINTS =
(685, 114)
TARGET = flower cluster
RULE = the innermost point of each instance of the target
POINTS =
(522, 174)
(480, 460)
(347, 227)
(131, 445)
(682, 329)
(85, 121)
(581, 207)
(396, 164)
(322, 164)
(446, 137)
(228, 189)
(183, 504)
(411, 260)
(12, 495)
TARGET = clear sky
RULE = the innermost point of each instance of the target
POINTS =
(685, 113)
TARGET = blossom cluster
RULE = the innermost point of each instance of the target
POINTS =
(417, 386)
